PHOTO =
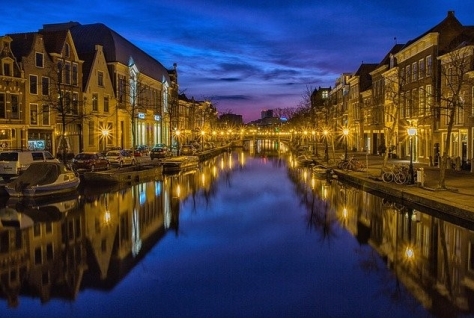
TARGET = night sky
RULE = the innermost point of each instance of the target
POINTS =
(250, 55)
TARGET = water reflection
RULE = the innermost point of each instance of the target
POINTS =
(56, 248)
(429, 256)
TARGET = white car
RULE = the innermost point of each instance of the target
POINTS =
(120, 158)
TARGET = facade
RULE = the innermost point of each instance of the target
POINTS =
(408, 89)
(69, 88)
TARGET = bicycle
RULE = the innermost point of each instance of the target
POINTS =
(396, 173)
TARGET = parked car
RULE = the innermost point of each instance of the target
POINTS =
(141, 150)
(159, 151)
(187, 150)
(120, 158)
(14, 163)
(90, 161)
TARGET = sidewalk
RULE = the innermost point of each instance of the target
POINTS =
(457, 200)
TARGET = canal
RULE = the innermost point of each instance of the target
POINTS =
(245, 235)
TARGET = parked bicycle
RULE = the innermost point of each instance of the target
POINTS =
(351, 163)
(399, 174)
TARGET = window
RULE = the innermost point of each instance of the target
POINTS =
(100, 78)
(7, 69)
(95, 102)
(472, 101)
(429, 99)
(15, 106)
(106, 104)
(75, 103)
(121, 89)
(45, 115)
(415, 71)
(421, 68)
(33, 84)
(67, 52)
(408, 73)
(421, 97)
(45, 85)
(39, 60)
(429, 65)
(60, 71)
(38, 256)
(74, 74)
(67, 74)
(3, 110)
(33, 114)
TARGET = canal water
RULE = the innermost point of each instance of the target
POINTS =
(244, 235)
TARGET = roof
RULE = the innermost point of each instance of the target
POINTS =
(22, 44)
(116, 48)
(450, 27)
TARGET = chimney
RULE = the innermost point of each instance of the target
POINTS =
(451, 13)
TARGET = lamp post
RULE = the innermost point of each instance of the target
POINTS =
(177, 141)
(313, 133)
(105, 136)
(345, 131)
(411, 133)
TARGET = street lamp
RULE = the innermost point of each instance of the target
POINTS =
(326, 155)
(105, 136)
(202, 138)
(411, 133)
(345, 131)
(313, 133)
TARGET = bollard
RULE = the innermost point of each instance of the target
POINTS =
(420, 176)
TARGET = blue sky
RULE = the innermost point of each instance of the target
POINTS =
(250, 55)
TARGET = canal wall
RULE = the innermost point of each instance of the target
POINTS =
(450, 201)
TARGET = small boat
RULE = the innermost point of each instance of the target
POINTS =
(320, 171)
(304, 160)
(180, 163)
(129, 174)
(41, 179)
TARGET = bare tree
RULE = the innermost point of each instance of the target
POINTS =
(456, 78)
(62, 100)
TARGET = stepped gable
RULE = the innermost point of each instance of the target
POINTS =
(116, 48)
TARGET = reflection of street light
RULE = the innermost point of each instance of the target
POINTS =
(326, 155)
(177, 133)
(411, 133)
(345, 131)
(105, 136)
(202, 138)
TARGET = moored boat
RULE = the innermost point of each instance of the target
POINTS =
(42, 179)
(180, 163)
(130, 174)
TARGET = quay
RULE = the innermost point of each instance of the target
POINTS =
(457, 200)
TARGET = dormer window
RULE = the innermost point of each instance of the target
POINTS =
(7, 68)
(392, 61)
(66, 50)
(39, 60)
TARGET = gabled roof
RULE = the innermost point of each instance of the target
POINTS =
(449, 28)
(365, 79)
(386, 60)
(116, 48)
(22, 44)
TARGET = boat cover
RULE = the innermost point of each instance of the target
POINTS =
(38, 174)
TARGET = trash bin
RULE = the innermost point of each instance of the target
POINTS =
(420, 176)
